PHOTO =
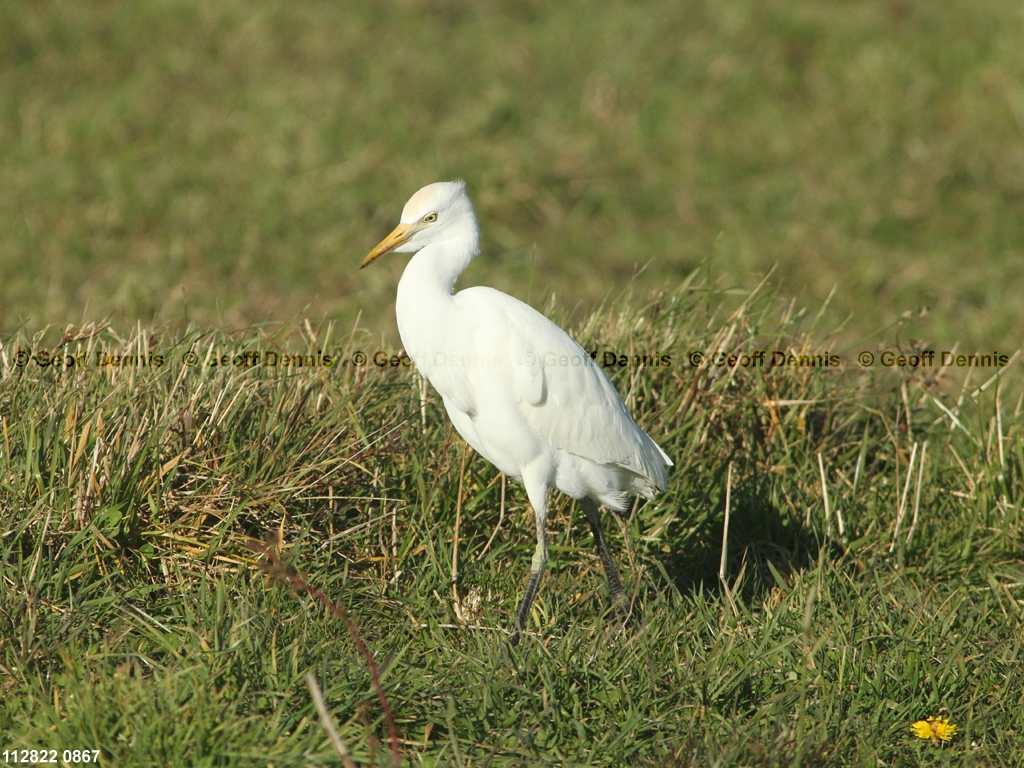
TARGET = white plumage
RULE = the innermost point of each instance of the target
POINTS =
(517, 387)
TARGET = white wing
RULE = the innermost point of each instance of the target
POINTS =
(560, 391)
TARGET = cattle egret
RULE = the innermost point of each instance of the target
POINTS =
(517, 387)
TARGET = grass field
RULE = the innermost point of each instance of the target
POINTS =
(234, 160)
(185, 184)
(138, 621)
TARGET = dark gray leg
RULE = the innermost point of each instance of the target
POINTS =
(538, 500)
(532, 584)
(594, 518)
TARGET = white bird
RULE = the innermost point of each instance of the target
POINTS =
(517, 387)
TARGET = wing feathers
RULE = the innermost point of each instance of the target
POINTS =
(563, 393)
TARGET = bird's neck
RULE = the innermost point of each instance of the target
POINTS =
(432, 272)
(425, 301)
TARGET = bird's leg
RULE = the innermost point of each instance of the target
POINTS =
(540, 559)
(594, 518)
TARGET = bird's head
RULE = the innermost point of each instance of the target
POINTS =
(439, 211)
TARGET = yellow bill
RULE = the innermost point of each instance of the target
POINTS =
(398, 235)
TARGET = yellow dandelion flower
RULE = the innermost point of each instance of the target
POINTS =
(935, 729)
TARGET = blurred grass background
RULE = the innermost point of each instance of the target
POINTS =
(232, 161)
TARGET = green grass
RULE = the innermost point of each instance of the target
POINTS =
(136, 620)
(182, 177)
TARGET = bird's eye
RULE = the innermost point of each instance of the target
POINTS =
(430, 217)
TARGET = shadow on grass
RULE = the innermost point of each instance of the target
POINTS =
(765, 543)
